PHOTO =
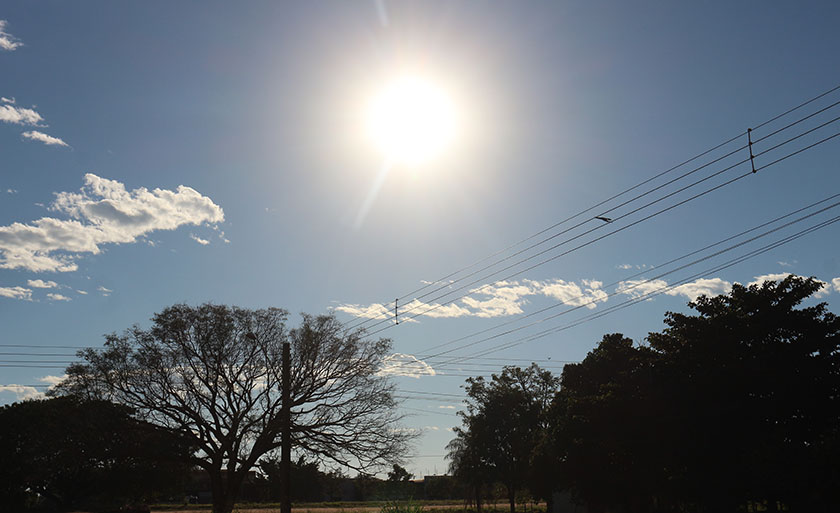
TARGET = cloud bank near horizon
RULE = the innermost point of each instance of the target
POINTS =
(507, 298)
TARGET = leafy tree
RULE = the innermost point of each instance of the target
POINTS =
(308, 483)
(605, 421)
(467, 463)
(502, 423)
(399, 474)
(214, 372)
(66, 454)
(753, 389)
(735, 405)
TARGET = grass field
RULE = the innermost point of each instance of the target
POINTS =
(353, 507)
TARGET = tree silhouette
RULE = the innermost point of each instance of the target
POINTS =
(753, 389)
(65, 454)
(735, 405)
(214, 373)
(502, 424)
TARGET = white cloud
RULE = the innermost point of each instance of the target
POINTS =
(57, 297)
(52, 380)
(22, 392)
(105, 291)
(759, 280)
(787, 264)
(12, 191)
(19, 115)
(103, 212)
(495, 300)
(836, 284)
(639, 288)
(570, 293)
(198, 239)
(692, 290)
(41, 284)
(8, 42)
(49, 140)
(400, 364)
(432, 428)
(624, 266)
(702, 287)
(503, 298)
(434, 310)
(16, 293)
(82, 292)
(3, 99)
(373, 311)
(447, 407)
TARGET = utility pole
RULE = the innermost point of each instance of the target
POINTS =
(286, 434)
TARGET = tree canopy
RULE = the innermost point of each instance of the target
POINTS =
(733, 407)
(736, 404)
(501, 427)
(66, 454)
(213, 372)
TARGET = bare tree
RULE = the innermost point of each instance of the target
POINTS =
(214, 373)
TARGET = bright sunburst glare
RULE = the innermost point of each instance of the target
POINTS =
(411, 121)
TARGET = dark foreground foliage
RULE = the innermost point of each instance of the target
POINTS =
(63, 454)
(734, 408)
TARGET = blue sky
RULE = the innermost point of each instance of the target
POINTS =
(155, 153)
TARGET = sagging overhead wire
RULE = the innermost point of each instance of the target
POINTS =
(653, 293)
(589, 209)
(643, 219)
(429, 356)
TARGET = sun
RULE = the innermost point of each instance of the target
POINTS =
(411, 121)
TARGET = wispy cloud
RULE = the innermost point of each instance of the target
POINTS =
(41, 284)
(701, 287)
(499, 299)
(691, 290)
(105, 291)
(57, 297)
(447, 407)
(21, 392)
(198, 239)
(400, 364)
(759, 280)
(19, 115)
(82, 292)
(373, 311)
(588, 293)
(103, 212)
(639, 288)
(52, 380)
(49, 140)
(11, 191)
(8, 42)
(16, 293)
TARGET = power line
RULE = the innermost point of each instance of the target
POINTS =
(428, 357)
(682, 189)
(803, 104)
(662, 290)
(645, 218)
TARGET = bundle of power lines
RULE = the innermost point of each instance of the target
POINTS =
(730, 161)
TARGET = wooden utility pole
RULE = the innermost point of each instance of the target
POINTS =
(286, 435)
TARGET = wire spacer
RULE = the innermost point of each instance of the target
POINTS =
(752, 157)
